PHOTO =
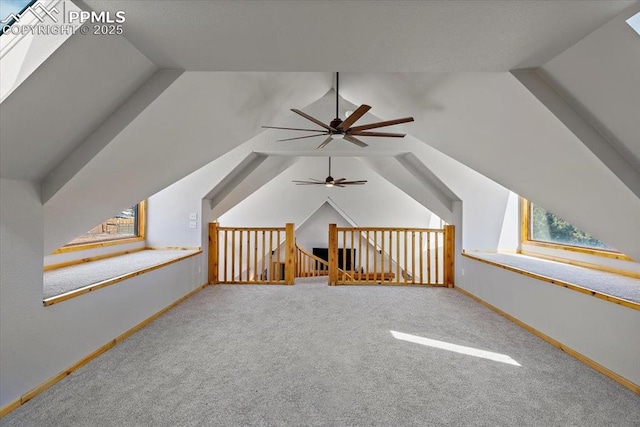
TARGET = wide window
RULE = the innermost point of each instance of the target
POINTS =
(125, 226)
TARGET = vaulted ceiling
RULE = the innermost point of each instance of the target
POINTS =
(540, 97)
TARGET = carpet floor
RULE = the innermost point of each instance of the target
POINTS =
(314, 355)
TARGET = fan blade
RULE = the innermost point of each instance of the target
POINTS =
(339, 181)
(313, 119)
(316, 180)
(300, 137)
(354, 182)
(382, 124)
(324, 143)
(354, 117)
(308, 183)
(355, 140)
(385, 134)
(338, 185)
(307, 130)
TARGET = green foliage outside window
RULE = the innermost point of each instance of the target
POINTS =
(547, 227)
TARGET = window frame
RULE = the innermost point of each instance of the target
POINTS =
(142, 232)
(525, 238)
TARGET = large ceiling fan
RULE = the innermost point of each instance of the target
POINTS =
(330, 182)
(339, 129)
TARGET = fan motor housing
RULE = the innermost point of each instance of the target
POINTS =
(335, 123)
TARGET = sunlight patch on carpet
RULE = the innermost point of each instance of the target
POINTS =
(497, 357)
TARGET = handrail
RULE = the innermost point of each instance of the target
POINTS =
(302, 254)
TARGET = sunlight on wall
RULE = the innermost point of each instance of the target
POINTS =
(470, 351)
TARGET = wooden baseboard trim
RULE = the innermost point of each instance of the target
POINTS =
(81, 291)
(584, 359)
(90, 259)
(616, 300)
(42, 387)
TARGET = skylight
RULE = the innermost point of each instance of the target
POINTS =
(9, 9)
(634, 22)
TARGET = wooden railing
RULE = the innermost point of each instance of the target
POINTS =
(365, 255)
(399, 256)
(246, 255)
(309, 265)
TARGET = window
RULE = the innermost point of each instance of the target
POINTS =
(124, 227)
(12, 9)
(541, 227)
(634, 22)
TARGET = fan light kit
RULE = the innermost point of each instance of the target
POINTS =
(344, 129)
(330, 182)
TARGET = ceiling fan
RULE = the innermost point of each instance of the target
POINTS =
(339, 129)
(330, 182)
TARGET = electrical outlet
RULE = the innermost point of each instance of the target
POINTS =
(193, 224)
(462, 271)
(193, 216)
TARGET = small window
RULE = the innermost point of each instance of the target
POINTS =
(541, 227)
(11, 10)
(125, 226)
(634, 22)
(544, 226)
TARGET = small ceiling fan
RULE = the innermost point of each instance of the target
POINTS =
(339, 129)
(330, 182)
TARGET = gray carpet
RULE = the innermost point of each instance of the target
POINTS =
(616, 285)
(67, 279)
(314, 355)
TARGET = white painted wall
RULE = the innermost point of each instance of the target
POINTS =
(604, 332)
(314, 232)
(39, 342)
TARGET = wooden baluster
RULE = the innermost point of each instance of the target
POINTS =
(406, 259)
(413, 256)
(233, 256)
(382, 256)
(429, 257)
(368, 243)
(421, 267)
(436, 258)
(248, 256)
(375, 255)
(263, 256)
(271, 275)
(398, 256)
(279, 270)
(226, 256)
(353, 254)
(391, 255)
(256, 277)
(360, 263)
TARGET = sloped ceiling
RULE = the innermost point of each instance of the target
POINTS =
(485, 120)
(372, 36)
(65, 100)
(607, 91)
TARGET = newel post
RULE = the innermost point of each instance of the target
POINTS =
(290, 254)
(213, 253)
(449, 255)
(333, 254)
